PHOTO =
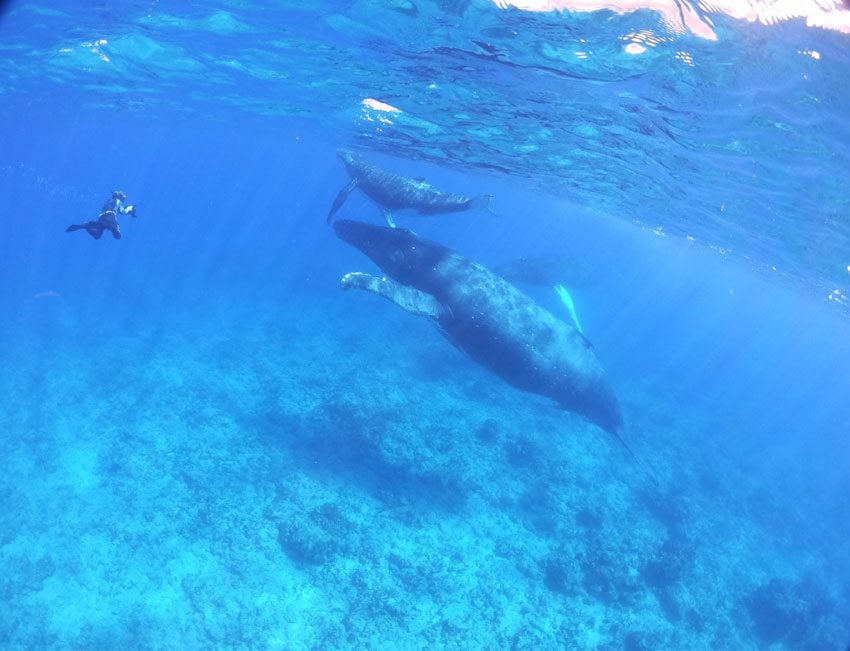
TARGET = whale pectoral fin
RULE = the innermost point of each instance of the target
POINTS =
(389, 217)
(341, 197)
(567, 300)
(407, 298)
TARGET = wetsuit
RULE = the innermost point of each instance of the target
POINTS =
(107, 221)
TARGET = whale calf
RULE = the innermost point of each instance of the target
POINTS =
(487, 318)
(394, 193)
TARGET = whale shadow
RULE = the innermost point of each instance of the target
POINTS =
(342, 446)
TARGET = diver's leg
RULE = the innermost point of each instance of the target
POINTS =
(108, 221)
(95, 229)
(107, 218)
(389, 217)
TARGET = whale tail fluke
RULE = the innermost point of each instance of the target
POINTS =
(340, 199)
(619, 435)
(482, 202)
(648, 468)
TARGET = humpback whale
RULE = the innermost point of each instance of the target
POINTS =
(487, 318)
(394, 193)
(545, 270)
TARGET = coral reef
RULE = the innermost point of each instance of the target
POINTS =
(266, 482)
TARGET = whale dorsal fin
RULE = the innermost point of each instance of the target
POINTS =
(407, 298)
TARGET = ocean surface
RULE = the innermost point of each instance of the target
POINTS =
(207, 443)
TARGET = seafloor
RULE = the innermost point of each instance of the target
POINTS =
(283, 472)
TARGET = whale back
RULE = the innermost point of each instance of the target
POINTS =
(400, 193)
(505, 330)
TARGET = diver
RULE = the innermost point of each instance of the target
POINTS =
(108, 218)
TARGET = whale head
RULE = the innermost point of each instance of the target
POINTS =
(350, 158)
(398, 252)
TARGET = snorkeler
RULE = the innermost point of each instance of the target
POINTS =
(108, 219)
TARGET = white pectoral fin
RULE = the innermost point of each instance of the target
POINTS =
(407, 298)
(567, 300)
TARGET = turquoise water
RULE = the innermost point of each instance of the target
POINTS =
(209, 445)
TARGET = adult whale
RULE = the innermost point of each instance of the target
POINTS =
(487, 318)
(394, 193)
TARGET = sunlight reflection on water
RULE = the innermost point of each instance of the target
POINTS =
(683, 17)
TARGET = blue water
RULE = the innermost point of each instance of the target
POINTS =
(208, 444)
